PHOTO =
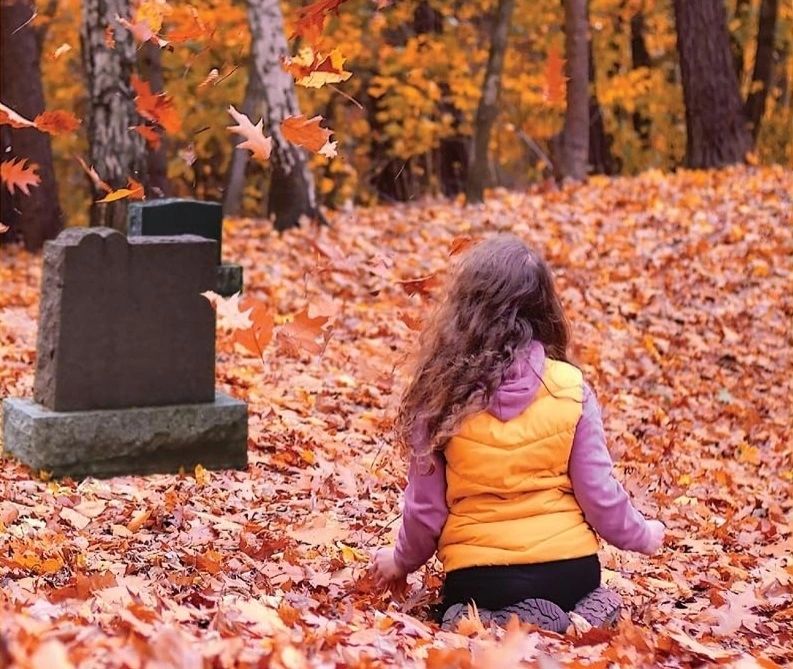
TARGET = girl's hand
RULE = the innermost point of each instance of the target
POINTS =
(385, 570)
(657, 533)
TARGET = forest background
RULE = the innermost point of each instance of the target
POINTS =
(404, 116)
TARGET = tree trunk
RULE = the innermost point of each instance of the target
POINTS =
(35, 217)
(599, 156)
(252, 107)
(763, 65)
(715, 125)
(487, 111)
(157, 184)
(640, 57)
(292, 193)
(574, 140)
(115, 151)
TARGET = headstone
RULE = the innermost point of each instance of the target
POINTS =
(182, 216)
(126, 361)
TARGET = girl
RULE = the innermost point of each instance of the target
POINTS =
(509, 476)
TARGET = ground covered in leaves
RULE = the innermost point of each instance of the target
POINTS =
(680, 291)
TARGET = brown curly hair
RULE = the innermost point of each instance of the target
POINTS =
(500, 298)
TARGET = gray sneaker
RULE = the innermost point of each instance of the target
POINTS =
(600, 608)
(540, 612)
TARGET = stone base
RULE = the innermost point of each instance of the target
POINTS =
(229, 279)
(117, 442)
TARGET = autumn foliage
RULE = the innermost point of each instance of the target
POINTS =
(678, 288)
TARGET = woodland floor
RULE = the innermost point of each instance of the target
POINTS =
(680, 291)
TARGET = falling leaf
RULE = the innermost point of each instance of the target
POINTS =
(94, 177)
(255, 141)
(3, 229)
(255, 338)
(311, 19)
(461, 244)
(62, 49)
(305, 132)
(17, 174)
(141, 31)
(211, 78)
(328, 150)
(57, 122)
(9, 117)
(134, 191)
(313, 70)
(423, 285)
(152, 137)
(156, 107)
(301, 334)
(554, 77)
(109, 37)
(230, 316)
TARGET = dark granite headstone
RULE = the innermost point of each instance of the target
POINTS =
(177, 216)
(123, 323)
(125, 369)
(181, 216)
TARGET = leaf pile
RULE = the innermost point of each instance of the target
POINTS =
(680, 292)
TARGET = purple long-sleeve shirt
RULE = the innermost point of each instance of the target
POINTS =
(606, 505)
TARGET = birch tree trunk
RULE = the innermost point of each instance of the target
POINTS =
(574, 140)
(763, 65)
(716, 131)
(292, 193)
(35, 217)
(486, 113)
(252, 107)
(115, 151)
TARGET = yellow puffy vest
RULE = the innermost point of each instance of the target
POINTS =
(507, 485)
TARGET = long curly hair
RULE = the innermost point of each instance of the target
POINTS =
(500, 298)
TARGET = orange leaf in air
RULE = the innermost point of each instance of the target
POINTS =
(57, 122)
(460, 244)
(94, 177)
(255, 338)
(156, 107)
(141, 31)
(148, 133)
(305, 132)
(255, 141)
(3, 229)
(313, 70)
(17, 174)
(554, 77)
(110, 38)
(9, 117)
(302, 334)
(134, 191)
(311, 19)
(424, 285)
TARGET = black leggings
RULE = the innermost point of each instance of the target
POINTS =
(562, 582)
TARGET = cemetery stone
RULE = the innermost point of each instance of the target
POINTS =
(126, 361)
(182, 216)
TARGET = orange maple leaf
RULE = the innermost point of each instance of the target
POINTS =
(9, 117)
(302, 334)
(57, 122)
(141, 31)
(148, 133)
(156, 107)
(305, 132)
(134, 191)
(311, 19)
(554, 77)
(255, 141)
(17, 174)
(255, 338)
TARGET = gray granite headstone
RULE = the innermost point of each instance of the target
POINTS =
(126, 361)
(183, 216)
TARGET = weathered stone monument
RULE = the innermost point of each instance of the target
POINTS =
(182, 216)
(125, 370)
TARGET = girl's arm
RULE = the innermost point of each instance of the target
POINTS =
(606, 505)
(424, 513)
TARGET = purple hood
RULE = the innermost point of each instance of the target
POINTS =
(521, 383)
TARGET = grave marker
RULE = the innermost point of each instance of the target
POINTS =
(126, 361)
(183, 216)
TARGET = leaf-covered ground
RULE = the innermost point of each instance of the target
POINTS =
(680, 291)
